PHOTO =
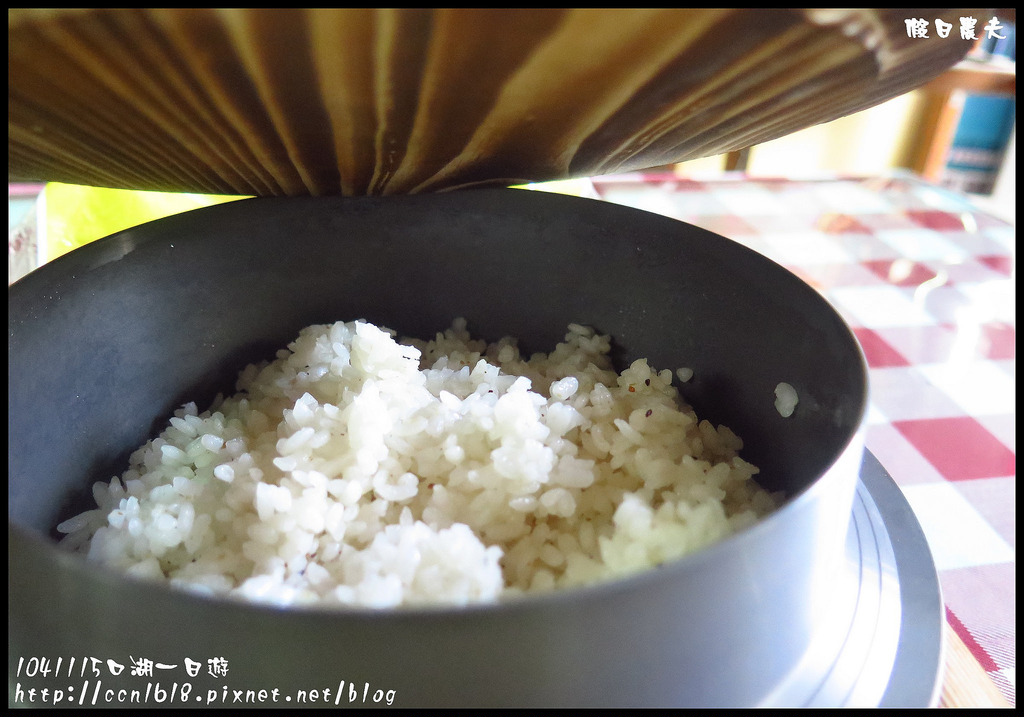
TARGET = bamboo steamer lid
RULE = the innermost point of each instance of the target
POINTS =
(376, 101)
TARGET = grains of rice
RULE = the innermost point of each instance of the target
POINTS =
(785, 399)
(361, 470)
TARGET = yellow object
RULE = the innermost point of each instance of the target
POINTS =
(581, 187)
(75, 215)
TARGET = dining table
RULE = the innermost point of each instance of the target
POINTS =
(926, 280)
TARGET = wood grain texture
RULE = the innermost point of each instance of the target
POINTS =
(965, 683)
(397, 101)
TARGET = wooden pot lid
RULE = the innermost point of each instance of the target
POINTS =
(398, 101)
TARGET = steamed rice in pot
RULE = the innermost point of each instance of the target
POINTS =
(357, 469)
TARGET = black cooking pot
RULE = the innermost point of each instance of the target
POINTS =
(108, 340)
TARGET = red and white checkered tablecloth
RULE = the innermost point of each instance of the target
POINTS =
(927, 282)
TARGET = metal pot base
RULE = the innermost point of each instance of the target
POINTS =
(881, 646)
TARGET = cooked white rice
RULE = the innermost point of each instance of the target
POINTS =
(356, 469)
(786, 399)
